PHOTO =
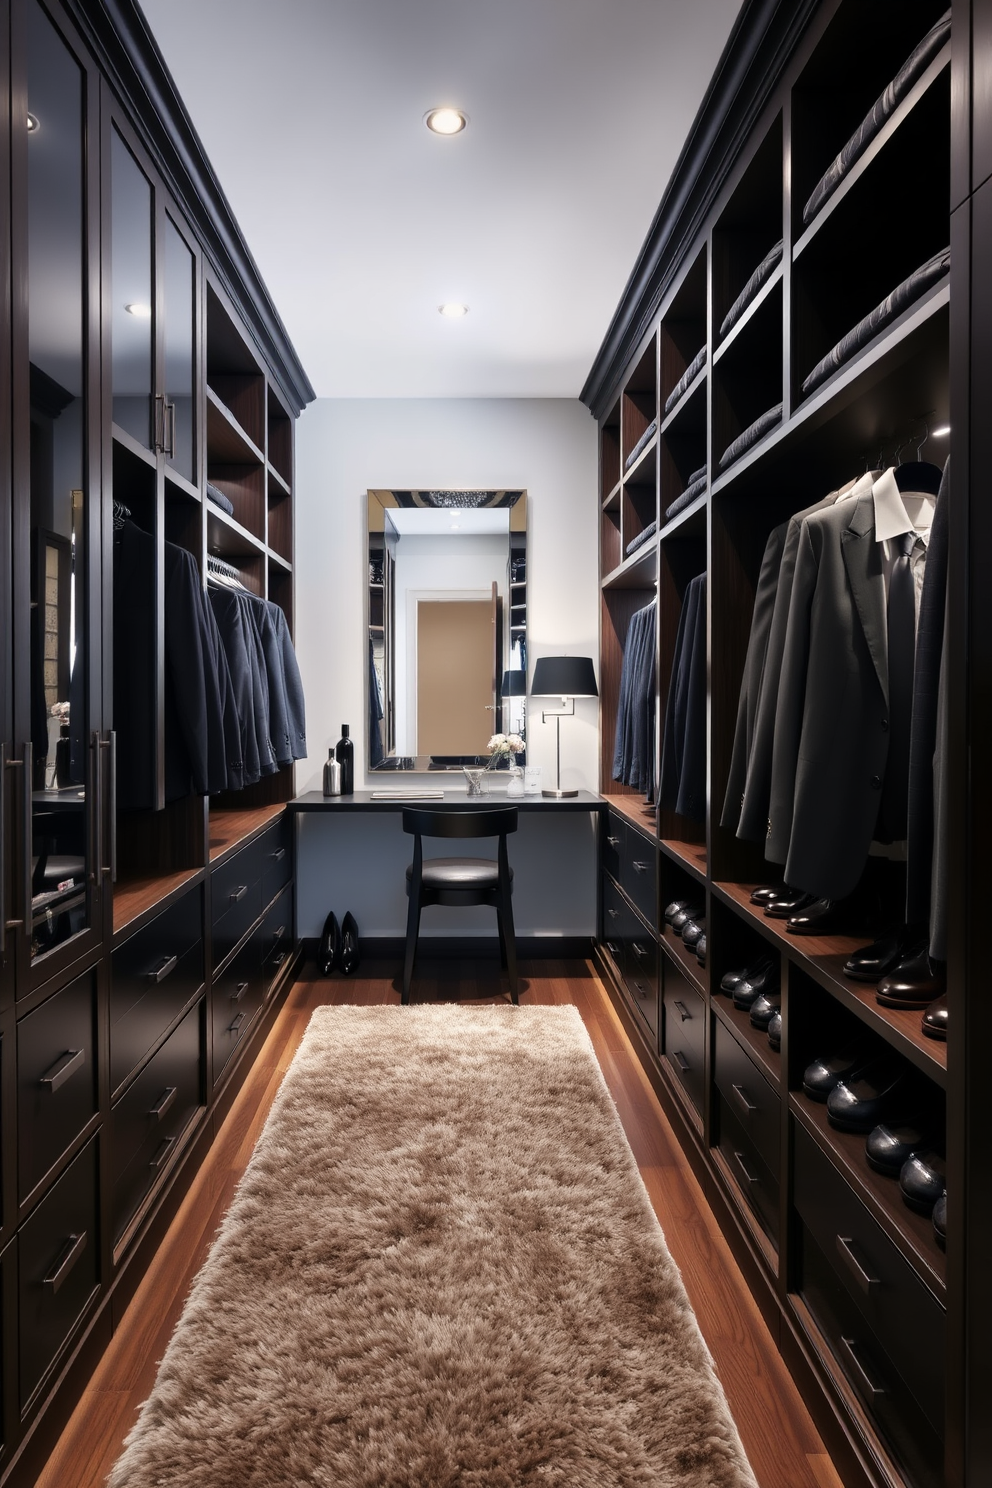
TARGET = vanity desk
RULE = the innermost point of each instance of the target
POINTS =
(352, 853)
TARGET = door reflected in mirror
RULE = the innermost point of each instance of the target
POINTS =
(447, 624)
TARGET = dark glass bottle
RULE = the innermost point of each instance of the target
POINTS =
(345, 755)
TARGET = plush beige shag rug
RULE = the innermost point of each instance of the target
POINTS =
(441, 1268)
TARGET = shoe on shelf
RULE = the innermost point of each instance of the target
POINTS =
(891, 1144)
(763, 977)
(691, 931)
(884, 1090)
(821, 1075)
(935, 1019)
(792, 903)
(764, 1007)
(914, 983)
(691, 910)
(676, 907)
(732, 979)
(829, 917)
(350, 956)
(329, 946)
(774, 1031)
(701, 949)
(939, 1220)
(923, 1179)
(872, 962)
(764, 892)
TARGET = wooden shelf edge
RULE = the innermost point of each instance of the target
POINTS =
(688, 855)
(216, 515)
(752, 1039)
(253, 455)
(280, 480)
(648, 455)
(753, 310)
(612, 501)
(139, 900)
(636, 572)
(230, 828)
(684, 960)
(678, 409)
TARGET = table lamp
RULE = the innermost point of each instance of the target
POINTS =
(567, 677)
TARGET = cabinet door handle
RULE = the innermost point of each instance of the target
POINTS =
(873, 1390)
(27, 832)
(278, 855)
(162, 1152)
(64, 1262)
(3, 850)
(613, 841)
(741, 1095)
(679, 1059)
(748, 1175)
(864, 1279)
(113, 805)
(235, 1027)
(239, 991)
(236, 895)
(682, 1011)
(64, 1066)
(161, 972)
(170, 428)
(640, 867)
(165, 1101)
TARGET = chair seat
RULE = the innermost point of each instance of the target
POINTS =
(458, 873)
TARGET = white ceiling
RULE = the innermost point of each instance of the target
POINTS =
(362, 222)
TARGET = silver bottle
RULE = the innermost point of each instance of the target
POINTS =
(332, 775)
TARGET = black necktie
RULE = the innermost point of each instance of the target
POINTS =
(902, 657)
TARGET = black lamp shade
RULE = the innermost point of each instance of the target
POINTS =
(514, 684)
(564, 676)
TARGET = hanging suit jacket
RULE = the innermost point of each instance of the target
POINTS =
(831, 730)
(683, 761)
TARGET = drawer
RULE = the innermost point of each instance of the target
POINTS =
(56, 1078)
(905, 1318)
(276, 852)
(639, 874)
(641, 972)
(685, 1030)
(749, 1096)
(148, 1120)
(229, 882)
(612, 843)
(235, 998)
(756, 1181)
(614, 910)
(277, 936)
(58, 1268)
(153, 977)
(243, 906)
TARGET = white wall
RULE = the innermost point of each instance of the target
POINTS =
(345, 446)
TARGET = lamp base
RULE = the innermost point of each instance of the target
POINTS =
(558, 795)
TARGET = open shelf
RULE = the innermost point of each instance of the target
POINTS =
(135, 898)
(231, 826)
(755, 1040)
(636, 572)
(227, 441)
(684, 959)
(688, 855)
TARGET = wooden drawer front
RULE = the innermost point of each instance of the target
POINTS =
(903, 1315)
(612, 844)
(276, 852)
(56, 1079)
(641, 972)
(235, 999)
(750, 1097)
(277, 936)
(237, 902)
(756, 1181)
(58, 1266)
(639, 875)
(152, 1115)
(614, 911)
(153, 977)
(685, 1030)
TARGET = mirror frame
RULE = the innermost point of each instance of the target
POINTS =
(379, 502)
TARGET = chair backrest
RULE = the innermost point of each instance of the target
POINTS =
(486, 821)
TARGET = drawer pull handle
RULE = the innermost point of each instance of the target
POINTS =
(613, 841)
(749, 1177)
(278, 855)
(864, 1279)
(614, 914)
(236, 895)
(64, 1262)
(162, 1152)
(166, 1099)
(681, 1062)
(161, 972)
(64, 1066)
(638, 950)
(613, 950)
(639, 989)
(239, 991)
(741, 1095)
(235, 1027)
(277, 935)
(640, 867)
(278, 959)
(873, 1390)
(682, 1011)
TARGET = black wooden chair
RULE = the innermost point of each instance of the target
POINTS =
(461, 881)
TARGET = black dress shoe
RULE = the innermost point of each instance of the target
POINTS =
(691, 931)
(939, 1219)
(791, 904)
(820, 1077)
(763, 977)
(923, 1179)
(872, 962)
(880, 1091)
(676, 907)
(935, 1019)
(827, 917)
(701, 949)
(329, 946)
(891, 1144)
(691, 910)
(764, 892)
(914, 983)
(774, 1030)
(764, 1008)
(350, 955)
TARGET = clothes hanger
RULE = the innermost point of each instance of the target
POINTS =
(917, 476)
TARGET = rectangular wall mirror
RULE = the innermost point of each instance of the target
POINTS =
(447, 625)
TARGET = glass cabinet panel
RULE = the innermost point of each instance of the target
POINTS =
(132, 294)
(178, 337)
(58, 495)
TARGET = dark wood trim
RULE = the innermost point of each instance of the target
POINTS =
(483, 948)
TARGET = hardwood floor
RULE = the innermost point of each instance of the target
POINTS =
(783, 1446)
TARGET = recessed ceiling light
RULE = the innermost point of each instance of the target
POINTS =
(452, 312)
(139, 311)
(32, 124)
(445, 120)
(940, 433)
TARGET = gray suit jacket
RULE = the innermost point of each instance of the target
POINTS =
(831, 730)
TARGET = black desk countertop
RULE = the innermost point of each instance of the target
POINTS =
(453, 801)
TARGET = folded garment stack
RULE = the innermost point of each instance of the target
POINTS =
(696, 487)
(751, 435)
(686, 380)
(641, 444)
(641, 538)
(764, 270)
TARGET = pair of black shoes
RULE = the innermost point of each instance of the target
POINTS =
(338, 946)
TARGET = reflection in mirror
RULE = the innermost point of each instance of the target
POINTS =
(447, 611)
(56, 319)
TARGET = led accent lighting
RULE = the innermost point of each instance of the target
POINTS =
(445, 121)
(452, 312)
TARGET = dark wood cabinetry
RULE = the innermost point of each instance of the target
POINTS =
(887, 1335)
(141, 363)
